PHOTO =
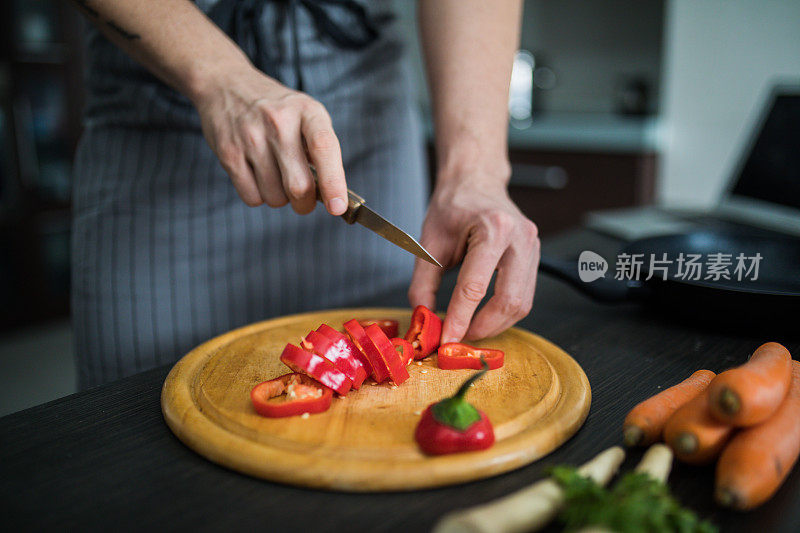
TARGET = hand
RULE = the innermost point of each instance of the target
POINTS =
(475, 219)
(265, 135)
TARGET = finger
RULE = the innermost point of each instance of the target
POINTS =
(242, 177)
(265, 169)
(426, 278)
(476, 272)
(270, 185)
(326, 155)
(512, 298)
(298, 182)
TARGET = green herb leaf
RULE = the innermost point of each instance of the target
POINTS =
(637, 502)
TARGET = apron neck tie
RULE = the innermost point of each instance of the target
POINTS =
(240, 20)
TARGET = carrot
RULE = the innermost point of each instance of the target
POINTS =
(645, 422)
(758, 459)
(749, 394)
(694, 434)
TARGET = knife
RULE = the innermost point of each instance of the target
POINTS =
(358, 211)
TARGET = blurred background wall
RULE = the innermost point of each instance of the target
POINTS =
(721, 56)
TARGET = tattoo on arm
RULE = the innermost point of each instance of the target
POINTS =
(86, 7)
(122, 31)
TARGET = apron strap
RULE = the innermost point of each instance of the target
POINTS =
(240, 20)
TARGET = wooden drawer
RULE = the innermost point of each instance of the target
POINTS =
(556, 189)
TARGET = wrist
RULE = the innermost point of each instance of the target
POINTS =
(468, 158)
(208, 79)
(471, 167)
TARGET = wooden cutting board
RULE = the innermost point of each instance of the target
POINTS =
(365, 441)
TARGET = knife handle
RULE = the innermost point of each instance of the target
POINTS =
(354, 201)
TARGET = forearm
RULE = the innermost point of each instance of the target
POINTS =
(264, 133)
(172, 38)
(469, 47)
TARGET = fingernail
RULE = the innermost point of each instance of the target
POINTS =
(337, 206)
(448, 338)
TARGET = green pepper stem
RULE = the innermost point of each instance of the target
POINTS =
(455, 411)
(472, 379)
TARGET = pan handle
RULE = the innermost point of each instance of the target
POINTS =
(606, 289)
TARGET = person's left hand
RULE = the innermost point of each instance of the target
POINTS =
(472, 217)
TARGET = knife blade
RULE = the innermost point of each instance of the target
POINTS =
(359, 212)
(375, 222)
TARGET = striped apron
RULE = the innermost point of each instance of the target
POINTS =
(164, 253)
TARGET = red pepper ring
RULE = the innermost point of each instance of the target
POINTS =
(425, 331)
(303, 395)
(404, 350)
(337, 354)
(455, 355)
(346, 343)
(390, 327)
(397, 370)
(359, 337)
(316, 367)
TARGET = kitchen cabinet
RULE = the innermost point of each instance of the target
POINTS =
(40, 123)
(556, 189)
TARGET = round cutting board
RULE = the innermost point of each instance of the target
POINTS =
(365, 441)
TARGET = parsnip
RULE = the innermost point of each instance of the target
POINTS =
(657, 461)
(530, 508)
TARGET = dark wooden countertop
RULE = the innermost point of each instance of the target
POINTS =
(105, 459)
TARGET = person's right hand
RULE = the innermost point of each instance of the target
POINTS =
(261, 132)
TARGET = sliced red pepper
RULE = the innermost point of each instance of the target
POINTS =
(397, 370)
(404, 349)
(303, 395)
(359, 337)
(341, 358)
(389, 327)
(316, 367)
(347, 345)
(454, 425)
(455, 355)
(425, 331)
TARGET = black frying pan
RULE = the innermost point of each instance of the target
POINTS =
(772, 299)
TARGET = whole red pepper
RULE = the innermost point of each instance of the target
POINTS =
(388, 326)
(455, 355)
(303, 395)
(316, 367)
(425, 331)
(404, 350)
(454, 425)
